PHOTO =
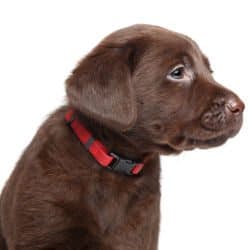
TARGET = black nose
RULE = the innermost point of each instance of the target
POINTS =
(235, 105)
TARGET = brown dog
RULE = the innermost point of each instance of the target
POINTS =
(143, 91)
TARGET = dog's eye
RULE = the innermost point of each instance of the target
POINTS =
(177, 73)
(180, 74)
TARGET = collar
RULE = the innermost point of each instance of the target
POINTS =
(106, 159)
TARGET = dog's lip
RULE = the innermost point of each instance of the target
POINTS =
(213, 138)
(211, 142)
(190, 142)
(166, 148)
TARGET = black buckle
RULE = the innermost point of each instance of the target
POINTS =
(122, 165)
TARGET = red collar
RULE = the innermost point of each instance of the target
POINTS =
(106, 159)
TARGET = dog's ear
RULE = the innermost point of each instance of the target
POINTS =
(101, 87)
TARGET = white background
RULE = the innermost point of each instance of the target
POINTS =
(205, 194)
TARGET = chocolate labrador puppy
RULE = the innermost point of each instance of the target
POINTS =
(90, 177)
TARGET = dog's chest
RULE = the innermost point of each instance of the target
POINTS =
(127, 213)
(122, 211)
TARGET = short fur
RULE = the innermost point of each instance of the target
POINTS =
(58, 197)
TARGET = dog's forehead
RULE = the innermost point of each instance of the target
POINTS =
(159, 39)
(159, 42)
(178, 44)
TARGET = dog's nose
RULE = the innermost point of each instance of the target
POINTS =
(235, 105)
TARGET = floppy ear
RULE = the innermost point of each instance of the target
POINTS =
(100, 87)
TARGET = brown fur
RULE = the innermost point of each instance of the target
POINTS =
(58, 197)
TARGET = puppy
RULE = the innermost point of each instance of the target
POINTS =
(90, 177)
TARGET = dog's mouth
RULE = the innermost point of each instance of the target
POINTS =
(192, 143)
(208, 143)
(196, 136)
(207, 138)
(202, 140)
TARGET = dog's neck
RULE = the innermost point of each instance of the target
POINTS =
(119, 143)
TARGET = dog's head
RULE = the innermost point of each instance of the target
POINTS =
(155, 86)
